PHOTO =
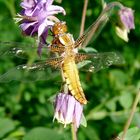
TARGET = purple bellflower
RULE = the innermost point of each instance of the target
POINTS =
(126, 16)
(68, 110)
(37, 17)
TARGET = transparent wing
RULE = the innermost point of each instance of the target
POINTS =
(21, 50)
(45, 70)
(98, 61)
(93, 31)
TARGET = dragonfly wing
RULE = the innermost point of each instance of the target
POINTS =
(97, 61)
(21, 50)
(45, 70)
(93, 31)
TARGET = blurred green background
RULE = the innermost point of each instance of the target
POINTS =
(26, 112)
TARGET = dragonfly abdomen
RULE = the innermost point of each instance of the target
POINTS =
(72, 80)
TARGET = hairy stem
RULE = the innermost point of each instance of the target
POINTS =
(83, 17)
(73, 131)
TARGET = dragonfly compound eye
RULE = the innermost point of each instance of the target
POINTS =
(59, 28)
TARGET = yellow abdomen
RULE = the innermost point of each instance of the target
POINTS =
(72, 80)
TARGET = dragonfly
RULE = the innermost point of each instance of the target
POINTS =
(66, 58)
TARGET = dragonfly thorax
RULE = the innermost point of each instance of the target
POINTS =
(68, 41)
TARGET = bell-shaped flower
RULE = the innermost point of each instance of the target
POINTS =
(37, 17)
(68, 109)
(126, 16)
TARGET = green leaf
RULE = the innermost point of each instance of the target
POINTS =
(118, 78)
(83, 121)
(2, 111)
(91, 133)
(97, 115)
(41, 133)
(11, 139)
(89, 50)
(83, 63)
(126, 99)
(111, 105)
(132, 134)
(6, 126)
(136, 119)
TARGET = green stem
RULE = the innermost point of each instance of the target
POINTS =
(73, 131)
(136, 101)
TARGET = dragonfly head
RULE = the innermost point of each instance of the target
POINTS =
(59, 28)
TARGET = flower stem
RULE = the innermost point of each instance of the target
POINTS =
(73, 131)
(131, 115)
(83, 17)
